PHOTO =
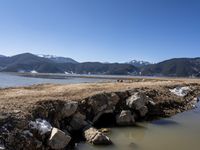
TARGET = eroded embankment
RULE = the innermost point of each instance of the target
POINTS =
(59, 124)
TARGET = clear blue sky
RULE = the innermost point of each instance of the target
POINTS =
(101, 30)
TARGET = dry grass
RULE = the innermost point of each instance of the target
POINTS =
(24, 97)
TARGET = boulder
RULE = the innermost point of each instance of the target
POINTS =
(69, 109)
(103, 103)
(143, 111)
(125, 118)
(58, 139)
(113, 99)
(78, 121)
(122, 94)
(137, 101)
(98, 102)
(95, 137)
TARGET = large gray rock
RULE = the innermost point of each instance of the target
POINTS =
(58, 139)
(113, 99)
(95, 137)
(143, 111)
(137, 101)
(103, 103)
(78, 121)
(69, 109)
(125, 118)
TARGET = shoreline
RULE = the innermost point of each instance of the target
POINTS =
(109, 77)
(84, 108)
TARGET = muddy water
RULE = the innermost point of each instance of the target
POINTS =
(181, 132)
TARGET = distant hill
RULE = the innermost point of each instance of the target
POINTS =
(138, 63)
(58, 59)
(100, 68)
(177, 67)
(28, 62)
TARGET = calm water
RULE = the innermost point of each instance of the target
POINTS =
(10, 80)
(181, 132)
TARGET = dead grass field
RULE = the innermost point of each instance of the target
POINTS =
(21, 98)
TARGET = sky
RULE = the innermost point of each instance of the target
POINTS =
(101, 30)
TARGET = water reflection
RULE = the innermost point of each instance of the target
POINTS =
(164, 122)
(180, 132)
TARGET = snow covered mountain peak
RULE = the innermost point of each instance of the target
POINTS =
(58, 59)
(139, 63)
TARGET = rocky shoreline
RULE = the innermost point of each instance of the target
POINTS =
(59, 124)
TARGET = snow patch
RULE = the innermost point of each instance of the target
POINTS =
(67, 72)
(33, 71)
(2, 146)
(70, 72)
(47, 56)
(41, 125)
(180, 91)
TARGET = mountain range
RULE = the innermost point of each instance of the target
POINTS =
(176, 67)
(27, 62)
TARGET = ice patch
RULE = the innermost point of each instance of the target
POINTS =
(2, 147)
(70, 72)
(67, 72)
(41, 125)
(180, 91)
(33, 71)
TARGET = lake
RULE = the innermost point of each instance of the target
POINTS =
(12, 80)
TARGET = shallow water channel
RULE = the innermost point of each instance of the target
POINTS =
(180, 132)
